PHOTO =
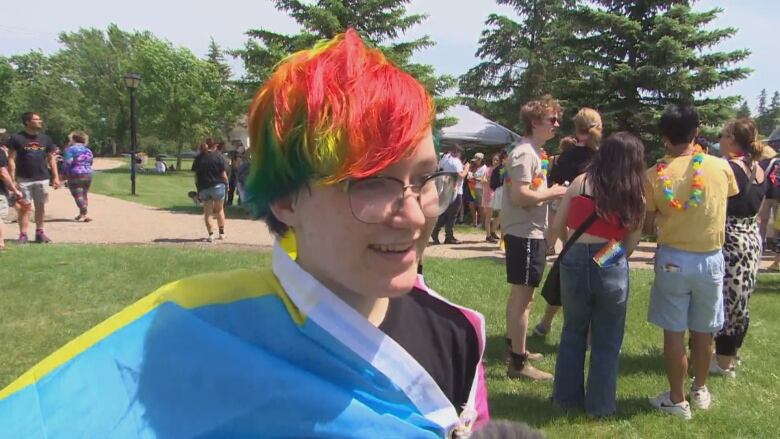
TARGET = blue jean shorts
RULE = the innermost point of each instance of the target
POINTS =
(213, 193)
(688, 290)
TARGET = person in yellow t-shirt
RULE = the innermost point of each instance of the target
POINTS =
(687, 194)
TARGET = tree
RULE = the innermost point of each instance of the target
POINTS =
(172, 103)
(229, 96)
(380, 22)
(768, 115)
(36, 85)
(96, 61)
(744, 110)
(519, 59)
(635, 58)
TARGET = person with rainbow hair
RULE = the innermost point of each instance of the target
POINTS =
(340, 337)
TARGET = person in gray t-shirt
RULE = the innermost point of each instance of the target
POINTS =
(524, 222)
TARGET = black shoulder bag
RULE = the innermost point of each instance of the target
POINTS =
(551, 290)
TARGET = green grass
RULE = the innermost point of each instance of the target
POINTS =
(50, 294)
(164, 191)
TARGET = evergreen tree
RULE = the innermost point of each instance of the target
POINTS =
(762, 108)
(519, 59)
(230, 97)
(773, 115)
(635, 58)
(744, 110)
(380, 22)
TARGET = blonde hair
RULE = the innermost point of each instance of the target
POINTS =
(588, 121)
(79, 137)
(536, 110)
(768, 152)
(745, 134)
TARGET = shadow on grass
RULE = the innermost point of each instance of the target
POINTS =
(232, 212)
(648, 363)
(179, 240)
(768, 283)
(541, 411)
(496, 349)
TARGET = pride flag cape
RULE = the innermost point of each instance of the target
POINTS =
(248, 353)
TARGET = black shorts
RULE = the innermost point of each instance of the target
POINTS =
(525, 260)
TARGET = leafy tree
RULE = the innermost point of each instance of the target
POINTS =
(638, 57)
(37, 85)
(172, 104)
(96, 62)
(380, 22)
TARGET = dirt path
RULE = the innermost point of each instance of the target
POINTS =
(124, 222)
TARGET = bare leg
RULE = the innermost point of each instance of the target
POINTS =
(549, 315)
(518, 308)
(702, 354)
(23, 218)
(676, 364)
(219, 212)
(488, 219)
(39, 213)
(208, 207)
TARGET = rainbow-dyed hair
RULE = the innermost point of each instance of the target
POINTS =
(339, 110)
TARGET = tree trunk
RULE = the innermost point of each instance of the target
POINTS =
(113, 147)
(178, 155)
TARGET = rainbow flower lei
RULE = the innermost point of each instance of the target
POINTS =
(540, 178)
(697, 183)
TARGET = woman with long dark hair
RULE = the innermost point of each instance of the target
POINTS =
(742, 248)
(594, 271)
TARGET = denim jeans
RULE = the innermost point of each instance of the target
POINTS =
(594, 297)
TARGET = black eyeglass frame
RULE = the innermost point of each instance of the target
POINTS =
(402, 193)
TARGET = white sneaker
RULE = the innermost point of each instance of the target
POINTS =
(701, 398)
(221, 236)
(664, 404)
(210, 238)
(715, 369)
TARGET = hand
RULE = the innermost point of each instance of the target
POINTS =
(557, 191)
(56, 183)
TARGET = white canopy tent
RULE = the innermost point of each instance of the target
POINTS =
(474, 131)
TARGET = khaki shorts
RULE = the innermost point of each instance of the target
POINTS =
(35, 191)
(3, 207)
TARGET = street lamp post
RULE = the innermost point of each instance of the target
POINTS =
(132, 81)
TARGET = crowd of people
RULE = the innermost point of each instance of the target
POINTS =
(598, 197)
(29, 167)
(342, 337)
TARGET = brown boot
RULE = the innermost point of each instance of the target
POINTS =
(533, 356)
(520, 368)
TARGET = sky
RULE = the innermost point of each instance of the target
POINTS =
(455, 26)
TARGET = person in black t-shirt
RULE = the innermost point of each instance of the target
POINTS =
(211, 182)
(31, 155)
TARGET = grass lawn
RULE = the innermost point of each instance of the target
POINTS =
(165, 191)
(53, 293)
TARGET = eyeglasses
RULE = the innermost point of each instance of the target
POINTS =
(553, 120)
(375, 199)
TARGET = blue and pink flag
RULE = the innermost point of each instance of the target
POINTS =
(250, 353)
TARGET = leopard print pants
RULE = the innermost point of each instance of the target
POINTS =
(742, 253)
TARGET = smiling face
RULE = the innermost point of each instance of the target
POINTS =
(35, 123)
(352, 257)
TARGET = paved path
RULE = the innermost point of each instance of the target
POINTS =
(124, 222)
